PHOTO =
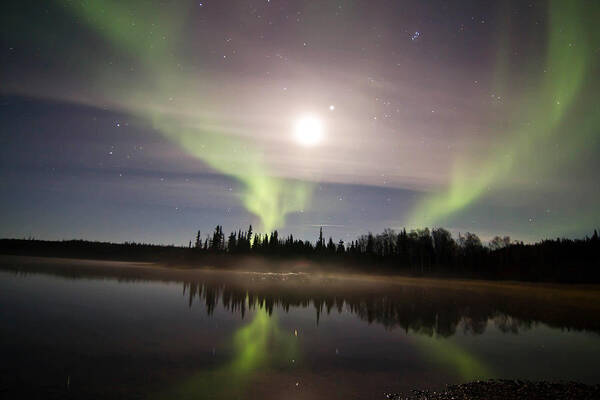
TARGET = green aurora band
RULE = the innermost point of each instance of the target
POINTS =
(560, 108)
(452, 357)
(257, 346)
(572, 35)
(269, 197)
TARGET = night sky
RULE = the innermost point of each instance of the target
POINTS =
(148, 120)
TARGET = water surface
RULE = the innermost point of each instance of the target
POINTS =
(90, 329)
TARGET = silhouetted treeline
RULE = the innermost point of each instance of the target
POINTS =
(429, 252)
(421, 252)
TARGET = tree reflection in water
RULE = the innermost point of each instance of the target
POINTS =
(417, 307)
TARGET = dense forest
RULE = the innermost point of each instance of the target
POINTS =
(421, 252)
(429, 252)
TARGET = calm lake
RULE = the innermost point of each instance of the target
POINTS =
(94, 329)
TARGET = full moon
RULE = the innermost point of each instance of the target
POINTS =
(308, 130)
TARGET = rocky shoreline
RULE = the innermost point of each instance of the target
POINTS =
(507, 390)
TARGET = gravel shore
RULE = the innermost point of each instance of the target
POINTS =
(507, 390)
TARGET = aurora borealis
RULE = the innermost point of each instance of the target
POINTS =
(145, 121)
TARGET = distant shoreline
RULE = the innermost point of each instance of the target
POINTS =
(144, 270)
(404, 255)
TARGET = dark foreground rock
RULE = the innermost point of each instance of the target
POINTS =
(507, 390)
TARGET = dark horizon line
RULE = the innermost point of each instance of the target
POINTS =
(209, 234)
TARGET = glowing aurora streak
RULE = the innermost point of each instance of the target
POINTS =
(269, 197)
(571, 37)
(257, 345)
(454, 358)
